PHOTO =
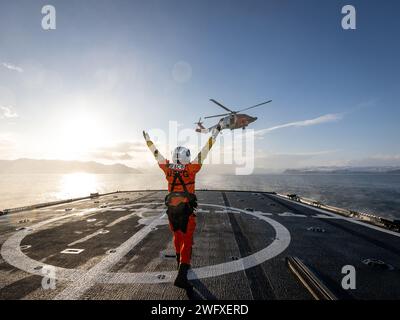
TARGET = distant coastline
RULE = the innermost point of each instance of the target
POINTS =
(347, 170)
(31, 166)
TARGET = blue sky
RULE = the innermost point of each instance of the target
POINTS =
(107, 72)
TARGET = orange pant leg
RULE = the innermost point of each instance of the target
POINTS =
(187, 243)
(177, 239)
(183, 241)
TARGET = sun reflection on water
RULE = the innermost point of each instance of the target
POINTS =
(76, 185)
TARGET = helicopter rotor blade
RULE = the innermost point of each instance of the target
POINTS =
(217, 115)
(257, 105)
(199, 122)
(219, 104)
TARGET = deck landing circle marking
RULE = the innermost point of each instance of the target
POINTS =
(12, 254)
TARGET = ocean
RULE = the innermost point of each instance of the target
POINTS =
(371, 193)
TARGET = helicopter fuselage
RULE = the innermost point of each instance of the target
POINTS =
(231, 120)
(236, 121)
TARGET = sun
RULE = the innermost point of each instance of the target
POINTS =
(79, 132)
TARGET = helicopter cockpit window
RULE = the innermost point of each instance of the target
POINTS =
(232, 120)
(226, 121)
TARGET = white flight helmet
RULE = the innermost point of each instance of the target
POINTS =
(181, 155)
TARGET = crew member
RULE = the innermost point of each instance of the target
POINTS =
(181, 200)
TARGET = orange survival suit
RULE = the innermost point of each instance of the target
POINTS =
(181, 202)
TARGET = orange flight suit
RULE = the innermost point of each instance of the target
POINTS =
(182, 241)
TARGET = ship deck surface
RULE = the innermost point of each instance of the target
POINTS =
(120, 247)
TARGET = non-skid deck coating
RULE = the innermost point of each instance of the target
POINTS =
(120, 247)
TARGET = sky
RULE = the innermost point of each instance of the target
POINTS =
(110, 69)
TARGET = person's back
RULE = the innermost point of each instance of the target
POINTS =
(181, 199)
(188, 173)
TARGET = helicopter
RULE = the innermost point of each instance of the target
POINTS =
(232, 120)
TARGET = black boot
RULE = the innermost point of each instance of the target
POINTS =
(178, 260)
(181, 280)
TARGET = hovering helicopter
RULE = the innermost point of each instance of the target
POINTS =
(232, 120)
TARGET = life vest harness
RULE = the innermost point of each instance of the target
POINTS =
(180, 204)
(174, 198)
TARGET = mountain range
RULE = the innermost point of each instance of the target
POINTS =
(344, 170)
(60, 166)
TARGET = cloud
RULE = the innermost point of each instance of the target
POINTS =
(377, 160)
(119, 151)
(111, 155)
(7, 145)
(304, 123)
(124, 147)
(7, 113)
(12, 67)
(280, 161)
(320, 159)
(5, 140)
(309, 154)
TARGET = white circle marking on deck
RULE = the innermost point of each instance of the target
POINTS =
(84, 279)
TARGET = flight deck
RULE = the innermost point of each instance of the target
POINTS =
(247, 245)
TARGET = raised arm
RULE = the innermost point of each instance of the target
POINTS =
(204, 152)
(157, 155)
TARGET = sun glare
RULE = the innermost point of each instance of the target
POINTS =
(76, 185)
(79, 132)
